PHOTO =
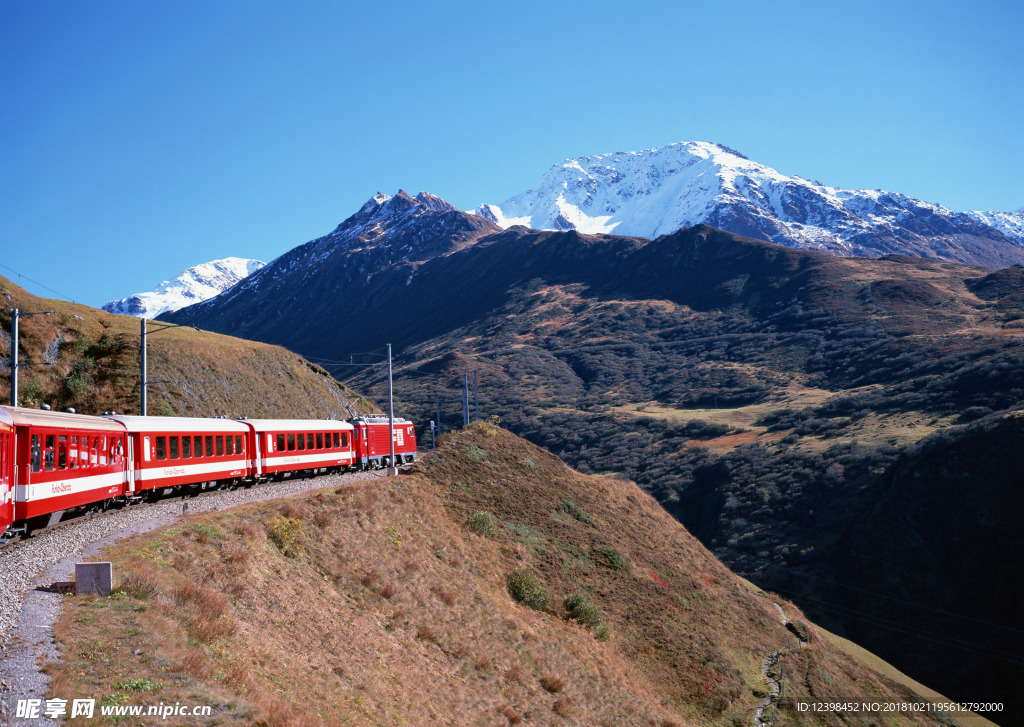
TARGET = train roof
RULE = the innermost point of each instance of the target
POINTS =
(5, 418)
(59, 419)
(377, 419)
(179, 424)
(296, 425)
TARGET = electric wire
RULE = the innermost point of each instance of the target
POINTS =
(58, 294)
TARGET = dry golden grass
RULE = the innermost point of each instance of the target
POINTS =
(359, 628)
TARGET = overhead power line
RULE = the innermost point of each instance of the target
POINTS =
(46, 287)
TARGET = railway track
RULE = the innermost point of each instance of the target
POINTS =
(28, 608)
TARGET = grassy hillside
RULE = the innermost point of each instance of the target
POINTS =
(392, 602)
(201, 373)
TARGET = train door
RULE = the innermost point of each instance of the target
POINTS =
(6, 479)
(257, 453)
(130, 471)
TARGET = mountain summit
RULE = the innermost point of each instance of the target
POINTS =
(658, 191)
(372, 253)
(196, 284)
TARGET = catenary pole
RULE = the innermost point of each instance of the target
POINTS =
(391, 412)
(14, 357)
(142, 366)
(465, 399)
(15, 315)
(143, 332)
(476, 399)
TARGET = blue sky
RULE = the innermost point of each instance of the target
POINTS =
(141, 138)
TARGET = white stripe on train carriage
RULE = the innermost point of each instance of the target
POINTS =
(323, 458)
(33, 492)
(160, 471)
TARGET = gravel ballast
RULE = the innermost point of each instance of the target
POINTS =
(27, 614)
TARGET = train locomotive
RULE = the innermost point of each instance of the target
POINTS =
(56, 465)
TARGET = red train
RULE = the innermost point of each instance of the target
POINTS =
(55, 465)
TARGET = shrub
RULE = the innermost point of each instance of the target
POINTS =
(613, 559)
(524, 586)
(510, 714)
(563, 706)
(137, 585)
(284, 532)
(570, 507)
(552, 683)
(582, 609)
(483, 523)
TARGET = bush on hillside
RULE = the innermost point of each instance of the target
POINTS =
(285, 532)
(483, 523)
(613, 559)
(583, 610)
(525, 587)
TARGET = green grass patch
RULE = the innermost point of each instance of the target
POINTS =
(611, 558)
(571, 508)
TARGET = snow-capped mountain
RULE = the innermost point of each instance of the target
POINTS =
(193, 285)
(658, 191)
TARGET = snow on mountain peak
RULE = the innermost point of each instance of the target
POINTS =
(657, 191)
(194, 285)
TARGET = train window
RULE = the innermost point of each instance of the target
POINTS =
(93, 457)
(309, 441)
(186, 447)
(174, 447)
(291, 442)
(336, 440)
(238, 444)
(102, 446)
(209, 446)
(198, 447)
(73, 453)
(116, 451)
(62, 452)
(320, 440)
(230, 446)
(344, 439)
(37, 453)
(220, 446)
(161, 448)
(280, 442)
(302, 440)
(48, 454)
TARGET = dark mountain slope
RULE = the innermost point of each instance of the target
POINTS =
(307, 292)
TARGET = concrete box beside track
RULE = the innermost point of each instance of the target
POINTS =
(94, 578)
